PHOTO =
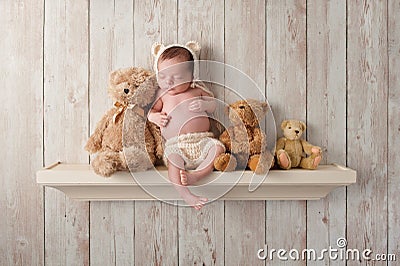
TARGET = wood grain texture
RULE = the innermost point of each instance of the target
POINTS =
(154, 21)
(156, 233)
(394, 128)
(245, 50)
(66, 126)
(21, 127)
(367, 74)
(112, 233)
(201, 234)
(111, 47)
(286, 91)
(156, 223)
(326, 121)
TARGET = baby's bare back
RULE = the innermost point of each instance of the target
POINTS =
(182, 120)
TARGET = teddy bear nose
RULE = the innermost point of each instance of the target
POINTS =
(297, 132)
(126, 91)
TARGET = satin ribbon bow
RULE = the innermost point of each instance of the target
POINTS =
(121, 108)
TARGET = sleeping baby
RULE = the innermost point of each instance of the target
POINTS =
(181, 111)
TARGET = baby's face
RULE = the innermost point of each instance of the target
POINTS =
(174, 75)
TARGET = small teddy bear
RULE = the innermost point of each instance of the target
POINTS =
(245, 141)
(291, 151)
(131, 89)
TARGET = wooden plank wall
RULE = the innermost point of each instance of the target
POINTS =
(66, 55)
(333, 64)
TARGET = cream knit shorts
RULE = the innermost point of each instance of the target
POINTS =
(192, 147)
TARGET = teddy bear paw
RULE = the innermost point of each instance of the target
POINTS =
(92, 146)
(283, 159)
(254, 164)
(225, 162)
(104, 168)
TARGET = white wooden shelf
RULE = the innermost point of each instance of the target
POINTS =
(78, 181)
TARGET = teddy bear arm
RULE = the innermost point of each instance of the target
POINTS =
(280, 144)
(307, 147)
(225, 139)
(158, 141)
(93, 144)
(258, 142)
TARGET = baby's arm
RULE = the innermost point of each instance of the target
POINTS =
(205, 104)
(156, 116)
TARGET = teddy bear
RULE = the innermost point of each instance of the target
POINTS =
(123, 126)
(291, 150)
(244, 141)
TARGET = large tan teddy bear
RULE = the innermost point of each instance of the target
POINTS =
(132, 90)
(245, 142)
(292, 151)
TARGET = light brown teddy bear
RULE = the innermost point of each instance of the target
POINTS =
(244, 140)
(132, 90)
(291, 151)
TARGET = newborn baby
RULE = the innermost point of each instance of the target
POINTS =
(181, 111)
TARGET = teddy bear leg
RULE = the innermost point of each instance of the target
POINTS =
(106, 163)
(253, 164)
(311, 162)
(283, 160)
(225, 162)
(261, 163)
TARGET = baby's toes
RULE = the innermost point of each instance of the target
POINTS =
(203, 200)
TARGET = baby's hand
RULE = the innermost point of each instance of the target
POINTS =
(160, 119)
(198, 106)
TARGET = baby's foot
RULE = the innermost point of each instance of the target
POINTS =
(184, 177)
(195, 201)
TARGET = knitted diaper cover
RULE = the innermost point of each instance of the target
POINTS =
(192, 147)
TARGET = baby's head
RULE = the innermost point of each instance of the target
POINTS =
(175, 65)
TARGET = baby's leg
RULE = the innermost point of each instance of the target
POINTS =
(175, 165)
(205, 168)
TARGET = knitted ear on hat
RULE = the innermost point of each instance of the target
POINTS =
(156, 48)
(193, 46)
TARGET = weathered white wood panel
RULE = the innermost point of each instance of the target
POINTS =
(144, 232)
(156, 223)
(286, 91)
(112, 233)
(111, 47)
(367, 74)
(66, 126)
(21, 74)
(394, 128)
(245, 50)
(326, 115)
(201, 234)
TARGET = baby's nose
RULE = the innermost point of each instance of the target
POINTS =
(170, 81)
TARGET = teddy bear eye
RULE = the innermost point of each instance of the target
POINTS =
(290, 127)
(241, 107)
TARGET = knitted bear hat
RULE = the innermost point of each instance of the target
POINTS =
(193, 47)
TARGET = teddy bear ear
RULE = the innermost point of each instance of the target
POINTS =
(265, 107)
(194, 46)
(115, 76)
(303, 126)
(284, 124)
(156, 48)
(226, 109)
